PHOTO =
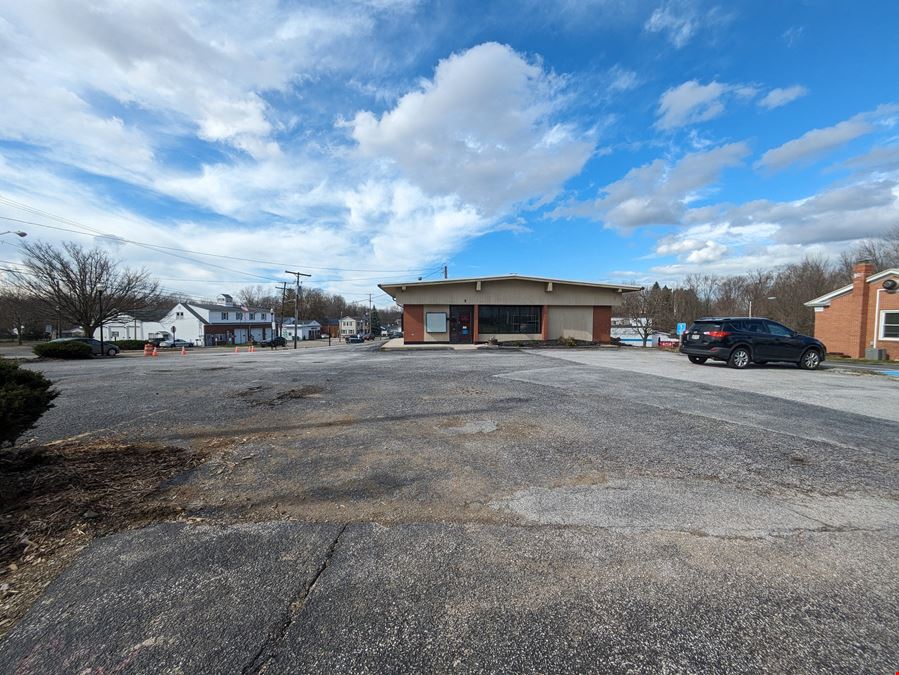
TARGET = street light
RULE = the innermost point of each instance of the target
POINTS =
(18, 233)
(771, 297)
(100, 288)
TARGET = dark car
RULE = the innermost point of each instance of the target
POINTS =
(277, 341)
(743, 340)
(355, 340)
(108, 347)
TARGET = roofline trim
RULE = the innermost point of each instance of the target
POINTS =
(824, 300)
(471, 280)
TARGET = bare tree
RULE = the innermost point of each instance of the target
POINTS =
(21, 312)
(68, 278)
(640, 310)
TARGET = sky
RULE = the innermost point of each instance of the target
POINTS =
(219, 144)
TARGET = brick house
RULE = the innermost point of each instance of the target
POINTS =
(861, 315)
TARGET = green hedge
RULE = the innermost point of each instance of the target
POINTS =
(24, 396)
(130, 344)
(63, 350)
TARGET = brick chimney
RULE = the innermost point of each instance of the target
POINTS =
(859, 326)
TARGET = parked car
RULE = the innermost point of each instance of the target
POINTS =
(355, 340)
(395, 334)
(175, 344)
(109, 349)
(277, 341)
(743, 340)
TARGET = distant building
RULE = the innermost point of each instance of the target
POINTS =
(630, 332)
(307, 330)
(202, 324)
(860, 315)
(506, 308)
(349, 326)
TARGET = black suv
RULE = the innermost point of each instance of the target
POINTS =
(743, 340)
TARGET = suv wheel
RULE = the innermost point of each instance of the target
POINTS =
(739, 358)
(810, 360)
(112, 352)
(698, 359)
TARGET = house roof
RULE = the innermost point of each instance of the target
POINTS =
(302, 322)
(225, 308)
(825, 300)
(509, 277)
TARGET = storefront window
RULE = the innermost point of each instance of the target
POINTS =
(509, 319)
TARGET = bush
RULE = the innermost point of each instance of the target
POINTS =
(130, 344)
(63, 350)
(24, 396)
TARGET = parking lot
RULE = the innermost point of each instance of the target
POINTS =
(491, 510)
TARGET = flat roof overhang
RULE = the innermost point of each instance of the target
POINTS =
(392, 289)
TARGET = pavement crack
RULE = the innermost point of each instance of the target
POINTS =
(268, 648)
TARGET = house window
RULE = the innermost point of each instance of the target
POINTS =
(238, 316)
(509, 319)
(253, 316)
(890, 327)
(224, 316)
(179, 315)
(262, 316)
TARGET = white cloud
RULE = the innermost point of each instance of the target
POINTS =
(782, 96)
(691, 103)
(680, 21)
(622, 79)
(481, 129)
(659, 193)
(815, 143)
(677, 21)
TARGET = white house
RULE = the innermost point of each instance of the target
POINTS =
(348, 326)
(201, 324)
(135, 326)
(308, 330)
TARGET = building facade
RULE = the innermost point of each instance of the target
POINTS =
(505, 309)
(861, 315)
(307, 330)
(348, 326)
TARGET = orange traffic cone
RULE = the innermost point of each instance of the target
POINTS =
(236, 349)
(184, 351)
(155, 351)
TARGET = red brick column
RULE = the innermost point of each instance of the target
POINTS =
(413, 323)
(475, 329)
(858, 328)
(602, 323)
(545, 322)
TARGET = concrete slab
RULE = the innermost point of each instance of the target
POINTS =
(397, 344)
(170, 598)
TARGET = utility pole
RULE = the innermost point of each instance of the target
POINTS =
(445, 271)
(281, 322)
(296, 305)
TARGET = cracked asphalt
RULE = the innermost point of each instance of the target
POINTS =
(485, 511)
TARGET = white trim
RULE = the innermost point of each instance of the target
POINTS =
(824, 300)
(881, 325)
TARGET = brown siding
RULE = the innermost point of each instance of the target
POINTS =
(475, 333)
(413, 323)
(544, 321)
(602, 323)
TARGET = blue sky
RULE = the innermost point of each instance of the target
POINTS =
(624, 140)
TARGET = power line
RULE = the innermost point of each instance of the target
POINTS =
(100, 233)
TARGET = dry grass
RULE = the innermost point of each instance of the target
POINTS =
(55, 499)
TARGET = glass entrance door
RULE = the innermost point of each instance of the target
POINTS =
(460, 324)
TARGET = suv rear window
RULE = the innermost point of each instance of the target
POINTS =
(705, 326)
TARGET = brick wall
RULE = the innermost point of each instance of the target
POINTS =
(413, 323)
(848, 325)
(602, 324)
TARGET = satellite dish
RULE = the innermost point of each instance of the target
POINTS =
(891, 285)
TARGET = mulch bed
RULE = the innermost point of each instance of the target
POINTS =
(55, 499)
